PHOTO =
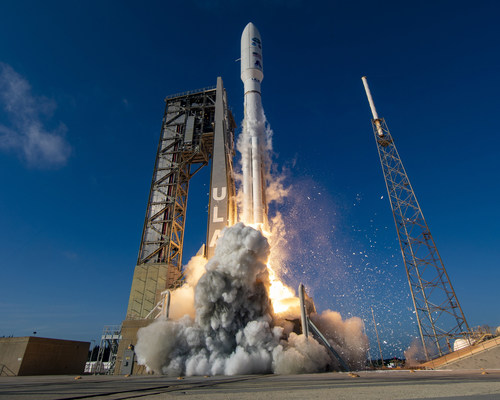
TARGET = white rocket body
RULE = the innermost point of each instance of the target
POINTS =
(254, 203)
(251, 59)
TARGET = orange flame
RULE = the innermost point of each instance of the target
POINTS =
(282, 297)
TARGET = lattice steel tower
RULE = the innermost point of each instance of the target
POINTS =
(439, 315)
(197, 127)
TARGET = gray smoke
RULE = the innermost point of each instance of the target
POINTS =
(234, 330)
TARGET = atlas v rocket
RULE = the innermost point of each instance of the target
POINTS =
(253, 150)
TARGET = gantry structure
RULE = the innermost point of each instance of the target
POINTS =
(439, 315)
(197, 128)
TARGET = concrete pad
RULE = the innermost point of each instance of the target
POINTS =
(395, 384)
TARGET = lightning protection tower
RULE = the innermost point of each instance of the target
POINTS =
(439, 315)
(197, 128)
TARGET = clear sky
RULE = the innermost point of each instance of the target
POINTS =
(82, 85)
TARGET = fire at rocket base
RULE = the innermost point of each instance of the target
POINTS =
(254, 201)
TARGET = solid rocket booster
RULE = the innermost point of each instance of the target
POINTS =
(254, 204)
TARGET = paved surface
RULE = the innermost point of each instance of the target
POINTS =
(393, 384)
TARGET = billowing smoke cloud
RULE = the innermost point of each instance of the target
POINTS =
(414, 354)
(234, 330)
(182, 299)
(231, 332)
(26, 134)
(346, 337)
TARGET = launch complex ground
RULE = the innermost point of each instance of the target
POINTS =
(387, 384)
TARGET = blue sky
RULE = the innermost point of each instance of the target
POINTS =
(81, 101)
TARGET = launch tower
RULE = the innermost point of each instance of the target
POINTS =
(439, 315)
(197, 128)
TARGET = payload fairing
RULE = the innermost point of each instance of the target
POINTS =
(254, 201)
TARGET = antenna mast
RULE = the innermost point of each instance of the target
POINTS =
(439, 315)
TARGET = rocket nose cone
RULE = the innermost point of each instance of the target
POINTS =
(251, 54)
(250, 31)
(250, 25)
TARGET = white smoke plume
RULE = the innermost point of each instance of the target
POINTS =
(300, 355)
(234, 330)
(275, 188)
(414, 355)
(39, 147)
(346, 337)
(182, 299)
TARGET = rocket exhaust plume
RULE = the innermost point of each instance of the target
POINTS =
(234, 330)
(234, 315)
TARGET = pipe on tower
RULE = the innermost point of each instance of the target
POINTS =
(376, 119)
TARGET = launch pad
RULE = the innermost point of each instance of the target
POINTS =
(394, 384)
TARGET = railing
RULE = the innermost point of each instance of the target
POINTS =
(206, 89)
(91, 367)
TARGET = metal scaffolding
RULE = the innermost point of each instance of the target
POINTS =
(192, 126)
(110, 339)
(187, 140)
(438, 312)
